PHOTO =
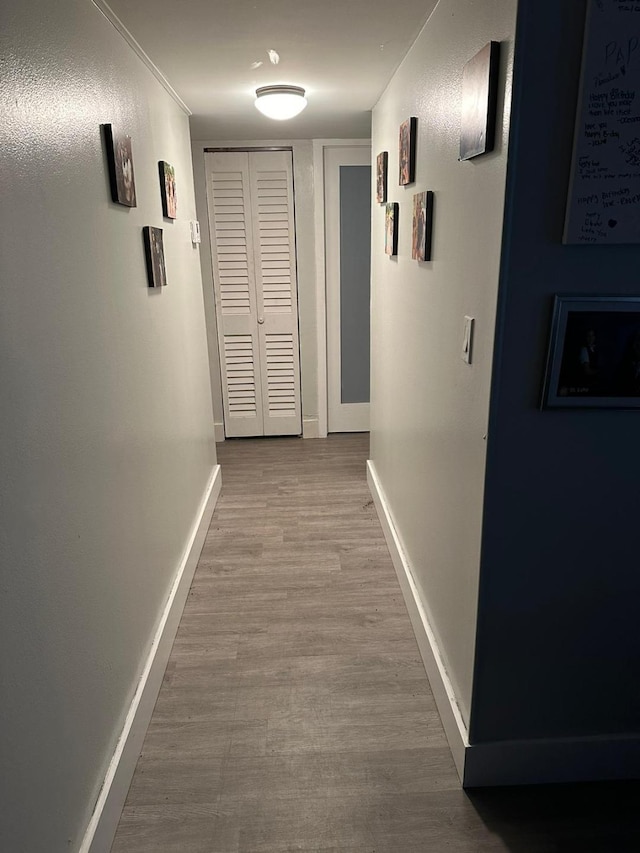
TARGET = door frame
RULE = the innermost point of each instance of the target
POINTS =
(308, 157)
(344, 417)
(319, 146)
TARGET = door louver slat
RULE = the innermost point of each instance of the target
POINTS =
(274, 241)
(241, 379)
(229, 193)
(280, 353)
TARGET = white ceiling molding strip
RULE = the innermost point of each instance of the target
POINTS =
(111, 16)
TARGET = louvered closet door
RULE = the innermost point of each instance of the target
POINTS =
(276, 289)
(230, 223)
(253, 245)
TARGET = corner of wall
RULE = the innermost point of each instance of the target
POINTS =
(206, 266)
(443, 692)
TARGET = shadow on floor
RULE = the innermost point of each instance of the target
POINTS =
(585, 818)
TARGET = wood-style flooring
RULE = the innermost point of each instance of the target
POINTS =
(295, 713)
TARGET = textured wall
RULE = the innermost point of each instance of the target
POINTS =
(429, 409)
(106, 438)
(559, 580)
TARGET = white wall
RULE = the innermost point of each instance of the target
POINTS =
(429, 409)
(106, 439)
(303, 177)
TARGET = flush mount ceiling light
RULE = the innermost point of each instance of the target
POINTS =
(280, 102)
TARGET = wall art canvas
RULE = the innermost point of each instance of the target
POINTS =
(382, 163)
(407, 151)
(479, 101)
(168, 190)
(391, 228)
(422, 226)
(154, 253)
(120, 160)
(594, 353)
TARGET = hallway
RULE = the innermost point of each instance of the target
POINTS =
(295, 713)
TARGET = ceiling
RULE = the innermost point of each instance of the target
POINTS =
(343, 52)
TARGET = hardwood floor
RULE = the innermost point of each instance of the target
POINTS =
(295, 713)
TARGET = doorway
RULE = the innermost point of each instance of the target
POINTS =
(347, 191)
(252, 228)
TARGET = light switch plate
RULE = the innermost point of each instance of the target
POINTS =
(467, 339)
(195, 231)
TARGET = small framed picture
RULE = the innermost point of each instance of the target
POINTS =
(422, 226)
(168, 190)
(154, 254)
(391, 214)
(479, 101)
(594, 353)
(407, 151)
(120, 161)
(382, 162)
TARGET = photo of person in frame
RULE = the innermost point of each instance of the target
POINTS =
(391, 228)
(588, 358)
(601, 355)
(419, 230)
(594, 353)
(124, 171)
(381, 177)
(120, 163)
(407, 151)
(168, 190)
(582, 364)
(154, 252)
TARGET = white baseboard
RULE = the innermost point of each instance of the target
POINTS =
(219, 430)
(441, 687)
(311, 428)
(526, 762)
(100, 832)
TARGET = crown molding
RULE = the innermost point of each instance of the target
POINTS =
(115, 21)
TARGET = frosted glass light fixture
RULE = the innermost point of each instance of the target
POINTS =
(280, 102)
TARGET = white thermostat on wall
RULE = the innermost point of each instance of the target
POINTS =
(195, 231)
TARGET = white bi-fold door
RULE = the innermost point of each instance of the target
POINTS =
(251, 219)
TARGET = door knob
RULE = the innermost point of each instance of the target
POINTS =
(261, 320)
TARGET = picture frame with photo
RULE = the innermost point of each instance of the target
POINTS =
(391, 217)
(407, 151)
(479, 102)
(120, 163)
(594, 353)
(422, 226)
(154, 255)
(168, 190)
(382, 163)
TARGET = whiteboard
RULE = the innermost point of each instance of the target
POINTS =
(603, 204)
